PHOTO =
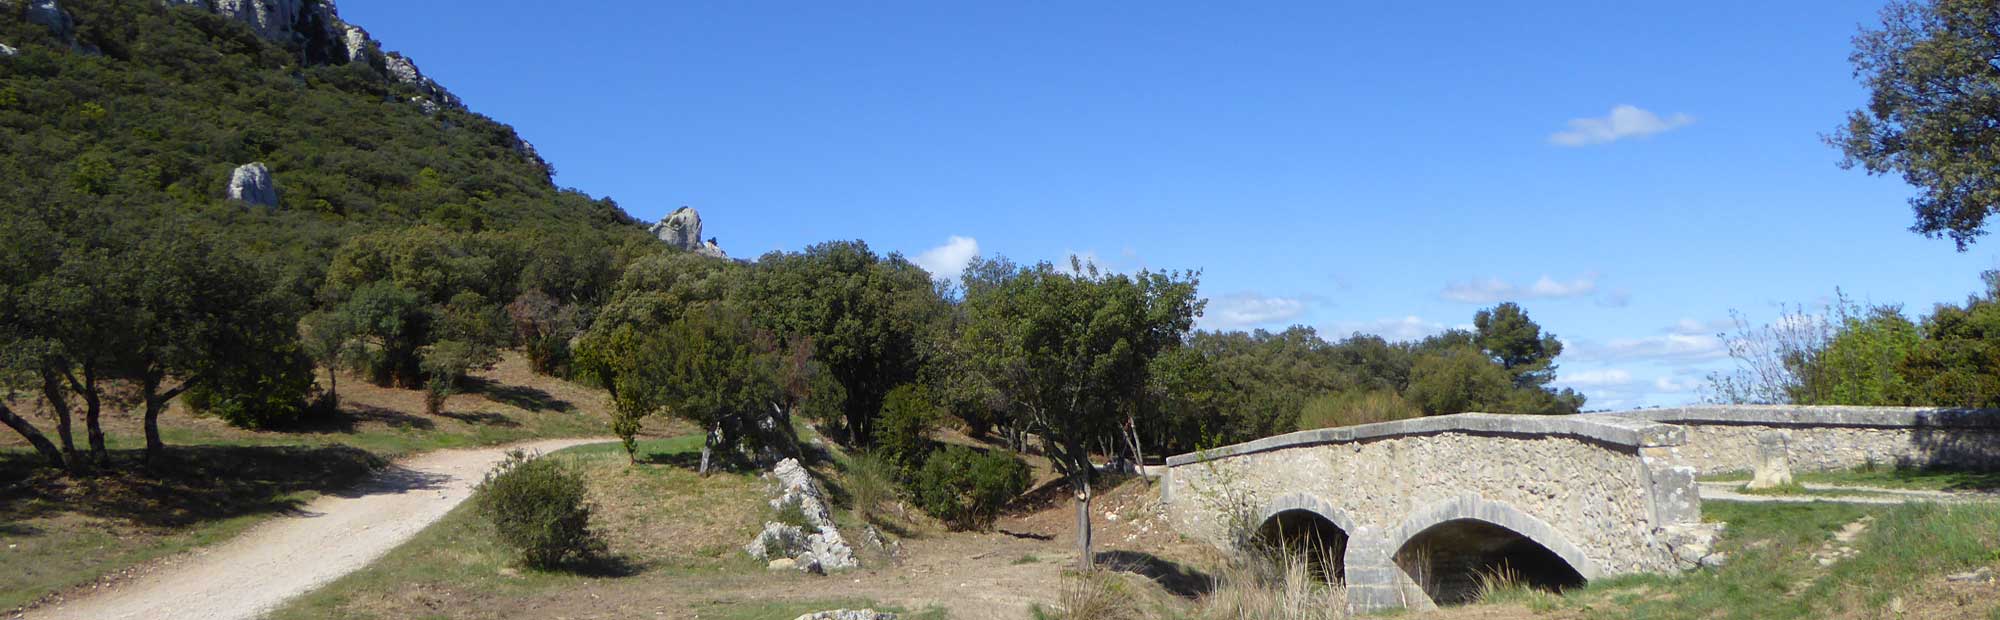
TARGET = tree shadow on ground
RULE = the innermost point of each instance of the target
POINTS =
(1175, 578)
(521, 396)
(193, 484)
(1026, 535)
(482, 418)
(353, 415)
(603, 565)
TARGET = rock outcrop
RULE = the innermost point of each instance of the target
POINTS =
(7, 50)
(49, 13)
(816, 547)
(682, 229)
(251, 183)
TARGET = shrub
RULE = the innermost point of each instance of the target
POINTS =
(1355, 407)
(537, 506)
(259, 394)
(870, 482)
(966, 488)
(903, 433)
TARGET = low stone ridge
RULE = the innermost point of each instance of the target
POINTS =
(1607, 429)
(816, 548)
(848, 614)
(251, 183)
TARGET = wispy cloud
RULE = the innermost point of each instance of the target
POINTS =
(1243, 310)
(947, 261)
(1624, 121)
(1664, 348)
(1395, 330)
(1495, 289)
(1595, 378)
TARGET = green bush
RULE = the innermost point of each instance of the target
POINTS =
(871, 482)
(903, 433)
(271, 393)
(967, 488)
(1355, 407)
(537, 506)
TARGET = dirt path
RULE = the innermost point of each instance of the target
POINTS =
(288, 556)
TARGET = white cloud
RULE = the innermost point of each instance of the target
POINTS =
(1394, 330)
(1242, 310)
(1672, 385)
(1665, 348)
(1595, 378)
(1624, 121)
(946, 261)
(1691, 327)
(1493, 290)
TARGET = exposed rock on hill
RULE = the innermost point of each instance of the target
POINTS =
(816, 548)
(251, 183)
(682, 229)
(6, 50)
(48, 13)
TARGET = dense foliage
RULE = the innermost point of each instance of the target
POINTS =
(537, 506)
(967, 488)
(1871, 355)
(402, 233)
(1933, 111)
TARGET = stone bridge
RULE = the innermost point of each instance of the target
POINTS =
(1411, 513)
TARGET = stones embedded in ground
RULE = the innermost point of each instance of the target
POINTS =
(848, 614)
(816, 547)
(251, 183)
(1693, 544)
(777, 540)
(1983, 575)
(1774, 467)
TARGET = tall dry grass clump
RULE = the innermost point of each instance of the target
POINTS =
(1274, 585)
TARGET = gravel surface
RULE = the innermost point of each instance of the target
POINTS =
(332, 536)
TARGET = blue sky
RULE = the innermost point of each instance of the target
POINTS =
(1630, 175)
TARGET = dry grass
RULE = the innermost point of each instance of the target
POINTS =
(218, 480)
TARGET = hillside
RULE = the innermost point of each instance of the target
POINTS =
(151, 104)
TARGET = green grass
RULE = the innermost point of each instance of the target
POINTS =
(460, 555)
(1771, 573)
(769, 610)
(1889, 478)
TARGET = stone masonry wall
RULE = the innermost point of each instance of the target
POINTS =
(1723, 439)
(1603, 493)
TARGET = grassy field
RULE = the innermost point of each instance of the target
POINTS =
(1774, 571)
(63, 531)
(659, 517)
(1889, 478)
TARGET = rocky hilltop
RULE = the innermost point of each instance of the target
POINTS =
(312, 29)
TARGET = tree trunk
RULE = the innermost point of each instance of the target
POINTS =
(34, 436)
(1084, 560)
(93, 405)
(52, 389)
(156, 403)
(1138, 450)
(708, 449)
(333, 386)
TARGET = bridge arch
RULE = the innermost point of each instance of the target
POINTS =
(1301, 522)
(1446, 548)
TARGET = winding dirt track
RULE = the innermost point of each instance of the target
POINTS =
(332, 536)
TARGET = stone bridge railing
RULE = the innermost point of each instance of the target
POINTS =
(1608, 495)
(1724, 438)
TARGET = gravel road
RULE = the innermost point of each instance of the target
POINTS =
(291, 555)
